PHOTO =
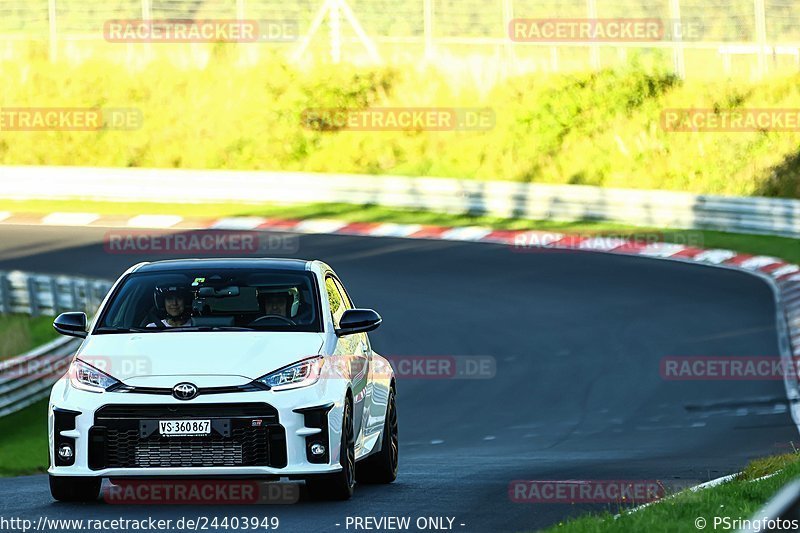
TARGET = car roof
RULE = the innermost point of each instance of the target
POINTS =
(232, 263)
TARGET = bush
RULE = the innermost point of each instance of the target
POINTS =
(598, 128)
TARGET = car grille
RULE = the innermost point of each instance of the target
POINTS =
(117, 440)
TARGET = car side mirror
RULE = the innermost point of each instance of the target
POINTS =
(358, 321)
(71, 324)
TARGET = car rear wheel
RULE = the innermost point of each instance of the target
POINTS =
(382, 466)
(75, 489)
(339, 486)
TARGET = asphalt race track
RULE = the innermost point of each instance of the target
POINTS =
(577, 339)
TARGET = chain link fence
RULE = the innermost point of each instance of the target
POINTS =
(731, 37)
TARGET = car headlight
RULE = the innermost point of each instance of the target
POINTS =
(84, 376)
(294, 376)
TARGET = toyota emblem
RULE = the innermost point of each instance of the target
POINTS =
(184, 391)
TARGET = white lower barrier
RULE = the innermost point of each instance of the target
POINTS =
(663, 209)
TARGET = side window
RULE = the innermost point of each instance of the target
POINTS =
(334, 300)
(345, 298)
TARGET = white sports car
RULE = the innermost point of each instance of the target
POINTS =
(224, 367)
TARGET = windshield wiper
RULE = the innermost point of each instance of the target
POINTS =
(106, 329)
(209, 328)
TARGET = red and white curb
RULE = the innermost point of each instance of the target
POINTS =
(783, 277)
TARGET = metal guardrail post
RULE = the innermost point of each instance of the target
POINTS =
(33, 302)
(5, 294)
(86, 295)
(54, 295)
(73, 291)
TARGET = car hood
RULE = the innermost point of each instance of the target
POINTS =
(216, 355)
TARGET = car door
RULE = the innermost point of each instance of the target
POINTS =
(352, 349)
(375, 397)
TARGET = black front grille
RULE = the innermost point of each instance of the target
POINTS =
(189, 410)
(124, 436)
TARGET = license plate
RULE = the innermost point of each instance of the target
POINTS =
(184, 428)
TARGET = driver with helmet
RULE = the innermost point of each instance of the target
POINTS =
(276, 303)
(174, 302)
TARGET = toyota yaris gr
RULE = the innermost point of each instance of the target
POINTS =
(241, 367)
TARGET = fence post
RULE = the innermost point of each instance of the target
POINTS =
(336, 33)
(594, 49)
(51, 20)
(147, 15)
(761, 36)
(676, 32)
(427, 23)
(508, 16)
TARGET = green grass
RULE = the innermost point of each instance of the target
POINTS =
(20, 333)
(597, 128)
(739, 498)
(782, 247)
(23, 445)
(23, 435)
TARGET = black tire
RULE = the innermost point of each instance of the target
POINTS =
(75, 489)
(381, 467)
(339, 486)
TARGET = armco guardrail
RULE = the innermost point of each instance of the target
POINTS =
(41, 294)
(498, 198)
(28, 377)
(781, 513)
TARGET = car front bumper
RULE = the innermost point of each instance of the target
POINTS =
(113, 433)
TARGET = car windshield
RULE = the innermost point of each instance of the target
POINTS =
(213, 300)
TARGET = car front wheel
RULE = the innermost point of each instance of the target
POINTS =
(382, 466)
